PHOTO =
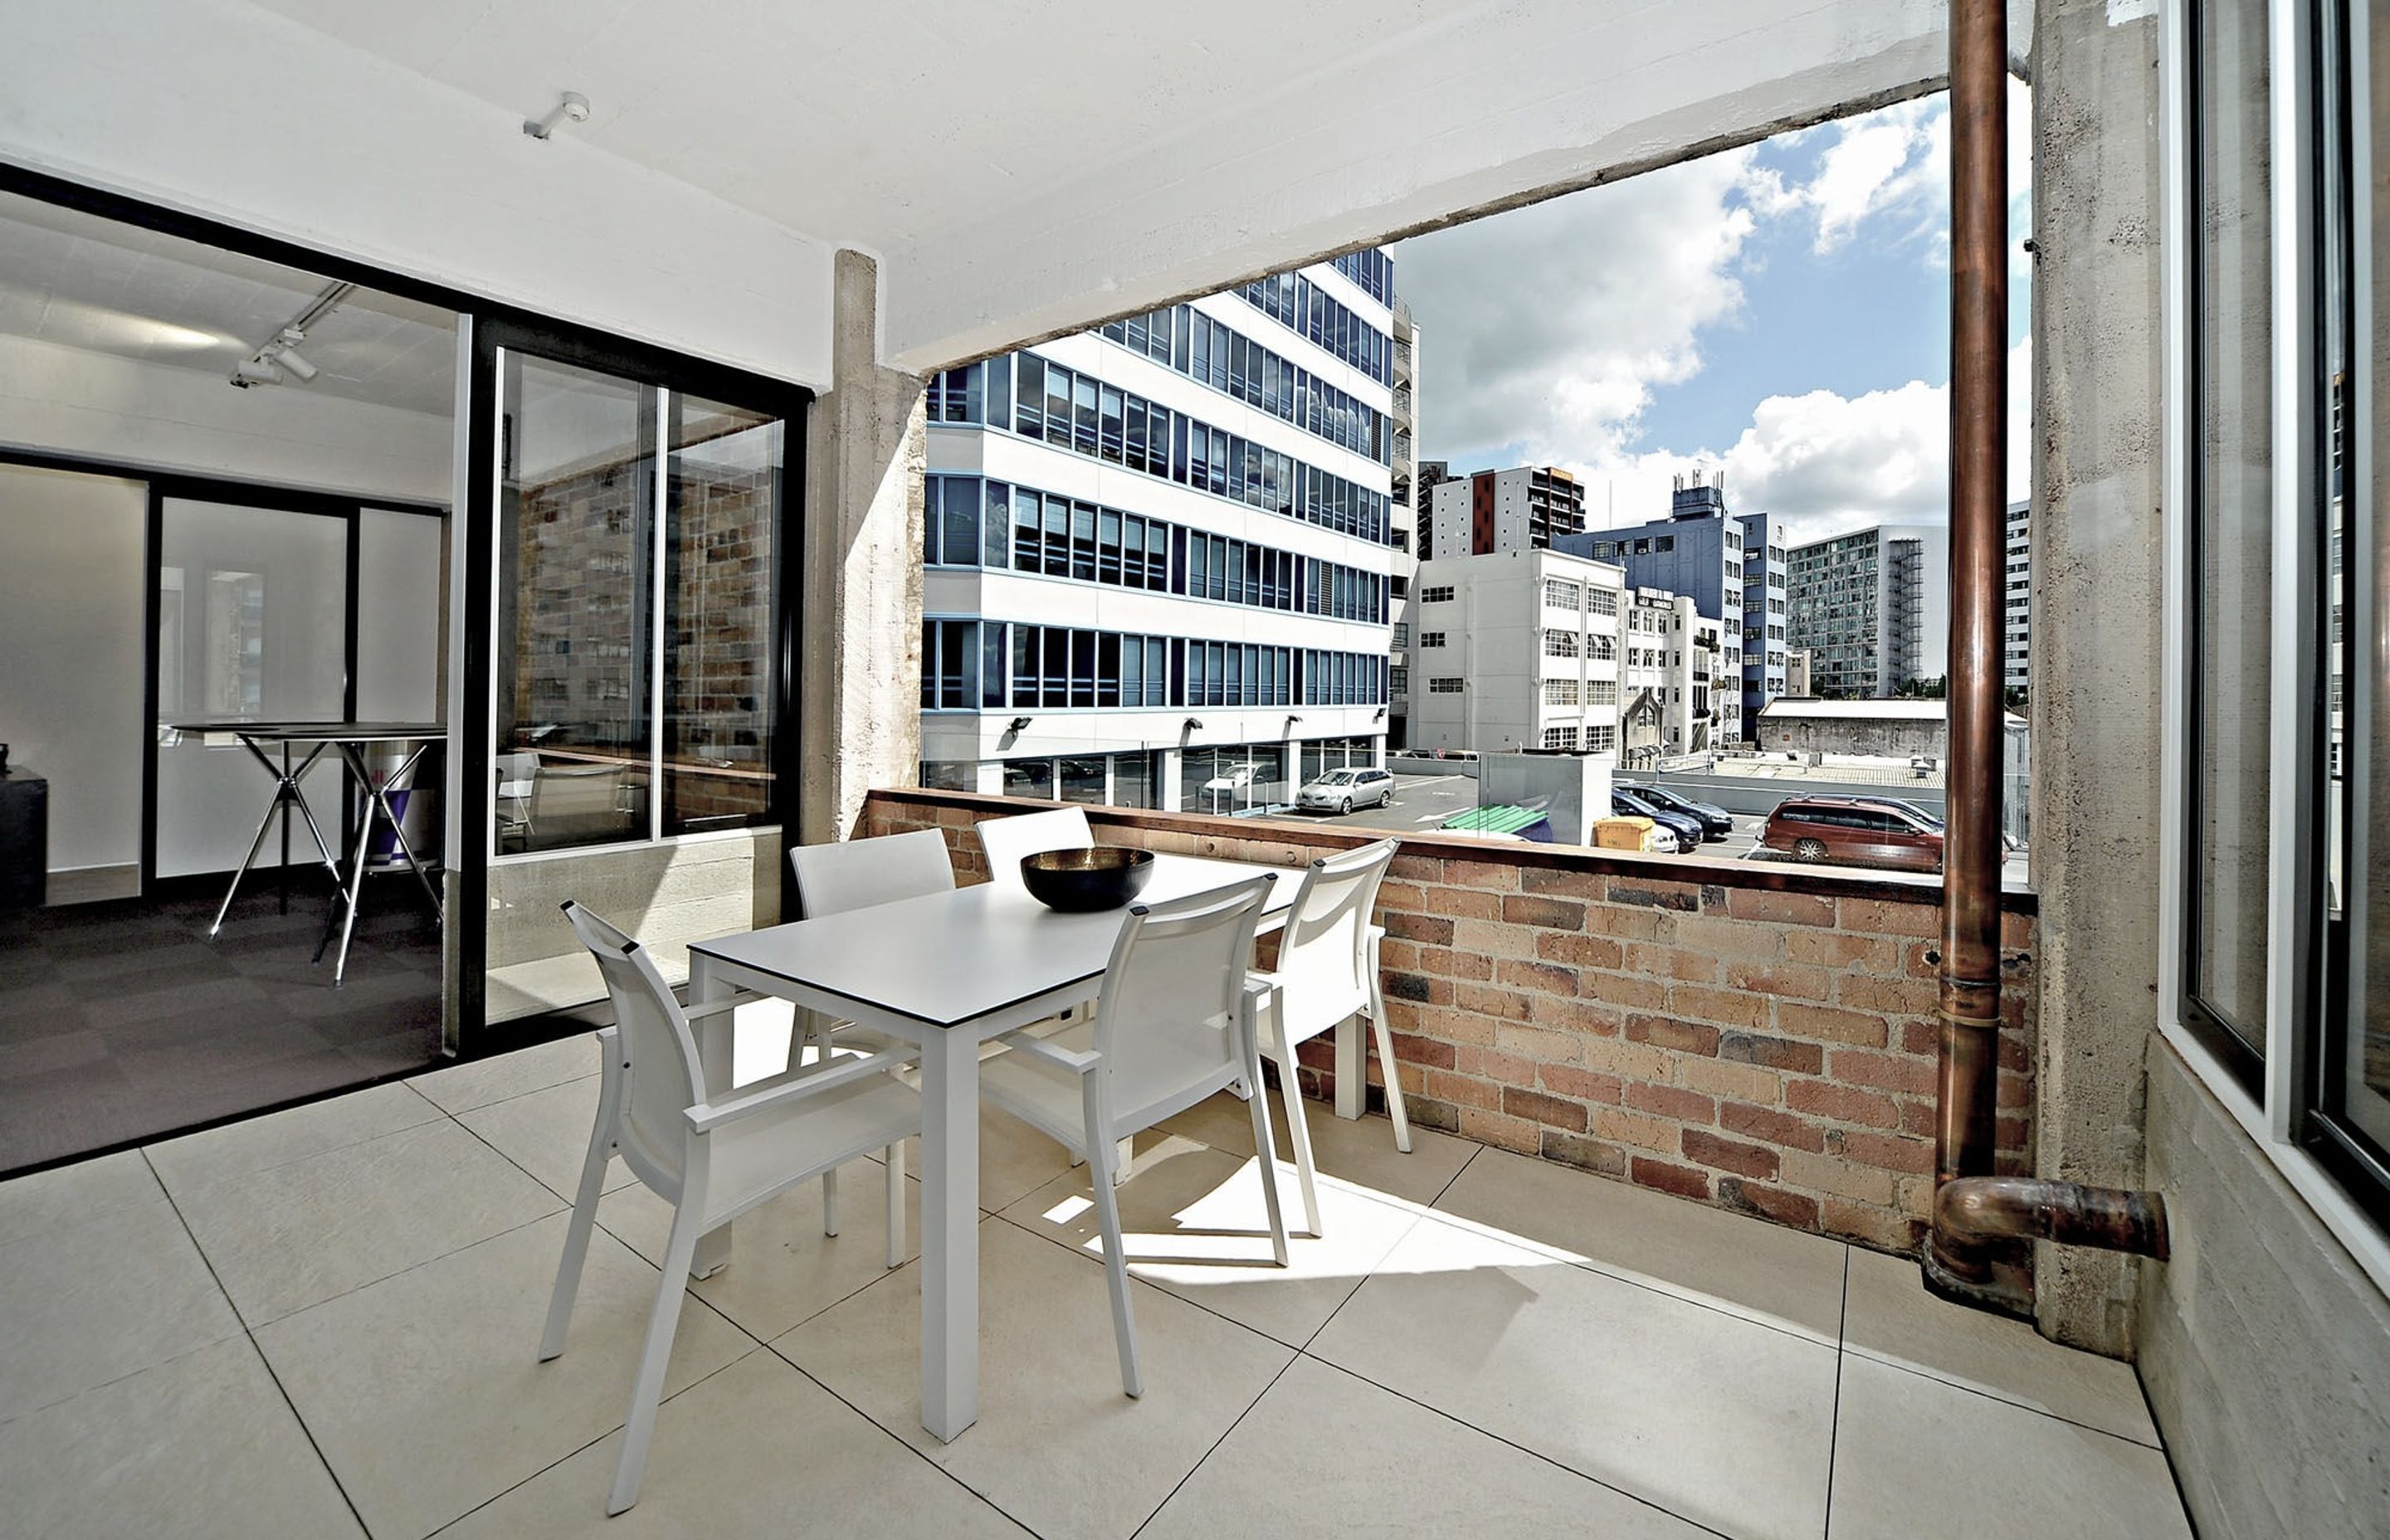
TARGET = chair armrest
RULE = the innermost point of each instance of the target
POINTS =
(715, 1008)
(1375, 932)
(707, 1116)
(1037, 1047)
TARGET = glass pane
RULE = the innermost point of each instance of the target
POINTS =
(2233, 682)
(721, 556)
(2358, 557)
(576, 598)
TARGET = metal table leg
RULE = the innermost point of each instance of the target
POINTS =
(286, 792)
(377, 798)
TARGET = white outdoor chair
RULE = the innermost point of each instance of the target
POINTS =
(1327, 972)
(1174, 1025)
(517, 778)
(712, 1160)
(1005, 840)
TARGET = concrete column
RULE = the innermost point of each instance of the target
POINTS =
(1170, 767)
(861, 642)
(2097, 528)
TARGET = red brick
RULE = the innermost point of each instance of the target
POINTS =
(1451, 962)
(1683, 1181)
(1671, 962)
(1727, 1007)
(1798, 1210)
(1889, 1152)
(1585, 1017)
(1510, 1069)
(1767, 1122)
(1747, 1160)
(1631, 990)
(1507, 1004)
(1577, 950)
(1841, 949)
(1562, 882)
(1780, 979)
(1826, 1098)
(1898, 996)
(1466, 903)
(1462, 1090)
(1671, 1101)
(1425, 1052)
(1407, 867)
(1782, 908)
(1584, 1084)
(1917, 1116)
(1590, 1154)
(1879, 916)
(1552, 914)
(1663, 1032)
(1425, 928)
(1551, 1111)
(1501, 1130)
(1832, 1023)
(1889, 1072)
(1874, 1227)
(1773, 1053)
(1681, 896)
(1920, 1037)
(1548, 977)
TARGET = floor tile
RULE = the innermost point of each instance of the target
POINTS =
(1014, 1159)
(462, 1088)
(547, 1133)
(783, 1270)
(201, 1445)
(1196, 1224)
(1903, 1435)
(756, 1449)
(1713, 1417)
(1361, 1151)
(425, 1391)
(68, 1195)
(1362, 1461)
(1891, 1317)
(95, 1300)
(1057, 1446)
(254, 1144)
(1763, 1272)
(289, 1236)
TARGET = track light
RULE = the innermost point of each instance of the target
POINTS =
(285, 357)
(571, 105)
(254, 371)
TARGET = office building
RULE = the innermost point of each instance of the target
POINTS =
(1796, 676)
(1524, 508)
(1672, 679)
(1873, 607)
(2017, 636)
(1729, 565)
(1408, 480)
(1159, 555)
(1518, 650)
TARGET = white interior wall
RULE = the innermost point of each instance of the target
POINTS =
(71, 623)
(67, 401)
(399, 557)
(223, 109)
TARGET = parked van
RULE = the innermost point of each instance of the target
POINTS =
(1860, 832)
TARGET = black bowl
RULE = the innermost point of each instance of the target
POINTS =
(1086, 878)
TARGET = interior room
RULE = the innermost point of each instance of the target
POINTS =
(223, 489)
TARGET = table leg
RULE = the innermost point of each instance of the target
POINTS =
(949, 1234)
(717, 1051)
(1351, 1068)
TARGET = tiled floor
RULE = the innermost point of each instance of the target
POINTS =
(322, 1323)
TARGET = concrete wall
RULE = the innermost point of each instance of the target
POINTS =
(2265, 1350)
(67, 401)
(1897, 737)
(1761, 794)
(2098, 601)
(225, 110)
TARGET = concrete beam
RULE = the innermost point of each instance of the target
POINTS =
(861, 669)
(2096, 577)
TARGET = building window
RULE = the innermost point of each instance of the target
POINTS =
(1402, 635)
(1601, 602)
(1431, 638)
(1602, 692)
(1398, 679)
(1560, 738)
(1435, 596)
(1560, 692)
(1561, 644)
(1560, 593)
(1597, 739)
(1444, 685)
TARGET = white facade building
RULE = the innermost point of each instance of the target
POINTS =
(1519, 509)
(2017, 636)
(1872, 608)
(1160, 553)
(1670, 699)
(1518, 649)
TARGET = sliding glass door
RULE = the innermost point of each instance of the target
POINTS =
(637, 660)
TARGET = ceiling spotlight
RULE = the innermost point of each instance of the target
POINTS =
(254, 371)
(287, 357)
(571, 105)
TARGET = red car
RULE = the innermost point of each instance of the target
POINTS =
(1860, 832)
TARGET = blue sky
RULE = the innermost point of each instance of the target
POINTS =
(1778, 313)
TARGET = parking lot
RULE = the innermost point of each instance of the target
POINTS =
(1425, 801)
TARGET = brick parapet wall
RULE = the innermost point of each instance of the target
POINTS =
(1750, 1036)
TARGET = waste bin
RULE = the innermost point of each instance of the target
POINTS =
(1623, 834)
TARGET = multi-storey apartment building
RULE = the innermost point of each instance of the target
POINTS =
(1517, 649)
(1873, 607)
(1524, 508)
(1720, 562)
(1159, 555)
(2017, 639)
(1673, 681)
(1409, 537)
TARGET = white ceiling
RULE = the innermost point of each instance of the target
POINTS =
(79, 281)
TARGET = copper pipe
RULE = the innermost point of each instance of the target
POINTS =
(1978, 1219)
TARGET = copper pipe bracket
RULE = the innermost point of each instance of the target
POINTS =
(1956, 1020)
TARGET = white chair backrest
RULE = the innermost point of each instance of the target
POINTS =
(663, 1076)
(1005, 840)
(1323, 954)
(857, 874)
(1166, 1022)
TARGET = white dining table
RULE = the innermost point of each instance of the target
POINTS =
(944, 972)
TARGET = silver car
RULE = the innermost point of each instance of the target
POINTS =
(1342, 790)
